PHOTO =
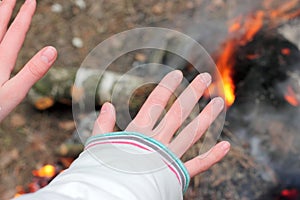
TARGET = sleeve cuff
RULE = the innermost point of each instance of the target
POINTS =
(145, 143)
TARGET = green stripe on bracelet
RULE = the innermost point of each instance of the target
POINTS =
(135, 135)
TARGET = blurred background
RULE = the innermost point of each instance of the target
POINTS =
(255, 45)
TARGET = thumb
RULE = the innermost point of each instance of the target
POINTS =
(106, 120)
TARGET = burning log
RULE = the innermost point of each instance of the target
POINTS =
(259, 65)
(57, 86)
(265, 68)
(268, 76)
(252, 39)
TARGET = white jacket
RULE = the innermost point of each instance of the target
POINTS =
(119, 166)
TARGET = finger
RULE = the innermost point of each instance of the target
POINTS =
(35, 69)
(203, 162)
(155, 103)
(193, 131)
(14, 38)
(181, 108)
(6, 9)
(14, 90)
(106, 120)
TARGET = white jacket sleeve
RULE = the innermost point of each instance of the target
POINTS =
(119, 166)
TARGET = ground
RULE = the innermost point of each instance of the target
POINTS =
(30, 137)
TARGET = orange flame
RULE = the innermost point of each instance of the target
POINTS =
(291, 97)
(47, 171)
(225, 63)
(253, 25)
(20, 191)
(243, 30)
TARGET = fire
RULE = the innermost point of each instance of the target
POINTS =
(47, 171)
(286, 51)
(230, 97)
(252, 26)
(41, 178)
(242, 30)
(289, 194)
(20, 191)
(225, 64)
(291, 97)
(248, 27)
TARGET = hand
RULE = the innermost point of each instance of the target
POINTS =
(148, 115)
(13, 90)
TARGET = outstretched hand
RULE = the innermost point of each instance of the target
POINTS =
(13, 90)
(150, 112)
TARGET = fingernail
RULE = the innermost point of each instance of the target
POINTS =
(48, 55)
(104, 108)
(205, 78)
(225, 147)
(218, 102)
(177, 74)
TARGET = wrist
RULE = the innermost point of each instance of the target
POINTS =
(140, 154)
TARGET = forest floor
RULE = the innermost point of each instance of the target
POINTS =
(29, 138)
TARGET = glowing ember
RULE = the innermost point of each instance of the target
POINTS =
(289, 194)
(290, 96)
(47, 171)
(252, 56)
(20, 191)
(41, 178)
(286, 51)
